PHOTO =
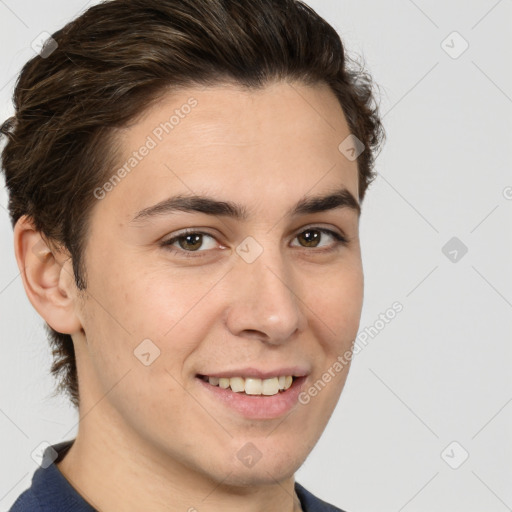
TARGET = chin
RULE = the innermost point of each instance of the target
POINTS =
(267, 467)
(264, 474)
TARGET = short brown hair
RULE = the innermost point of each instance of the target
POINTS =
(112, 62)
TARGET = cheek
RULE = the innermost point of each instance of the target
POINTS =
(145, 301)
(338, 302)
(139, 335)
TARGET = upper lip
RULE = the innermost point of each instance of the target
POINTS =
(255, 373)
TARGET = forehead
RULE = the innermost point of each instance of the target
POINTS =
(262, 144)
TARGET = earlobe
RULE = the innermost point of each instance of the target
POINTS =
(47, 278)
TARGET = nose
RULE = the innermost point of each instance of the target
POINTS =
(264, 303)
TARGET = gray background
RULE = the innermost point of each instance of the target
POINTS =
(440, 371)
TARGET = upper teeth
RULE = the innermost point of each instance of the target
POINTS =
(253, 386)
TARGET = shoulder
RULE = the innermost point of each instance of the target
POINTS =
(50, 491)
(311, 503)
(26, 502)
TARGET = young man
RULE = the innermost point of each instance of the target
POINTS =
(185, 183)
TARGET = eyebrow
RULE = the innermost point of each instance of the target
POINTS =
(340, 198)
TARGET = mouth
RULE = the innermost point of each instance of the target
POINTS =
(251, 397)
(252, 386)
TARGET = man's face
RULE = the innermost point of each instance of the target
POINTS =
(268, 295)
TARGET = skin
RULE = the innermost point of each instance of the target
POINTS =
(150, 437)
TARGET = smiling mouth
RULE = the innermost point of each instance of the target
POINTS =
(252, 386)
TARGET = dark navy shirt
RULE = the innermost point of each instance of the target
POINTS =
(51, 492)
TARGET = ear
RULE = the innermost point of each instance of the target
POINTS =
(47, 277)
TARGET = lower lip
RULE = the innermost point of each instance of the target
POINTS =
(257, 407)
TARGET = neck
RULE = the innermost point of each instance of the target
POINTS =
(114, 469)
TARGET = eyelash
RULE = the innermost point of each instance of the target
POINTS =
(167, 244)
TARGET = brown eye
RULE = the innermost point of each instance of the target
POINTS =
(190, 242)
(312, 237)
